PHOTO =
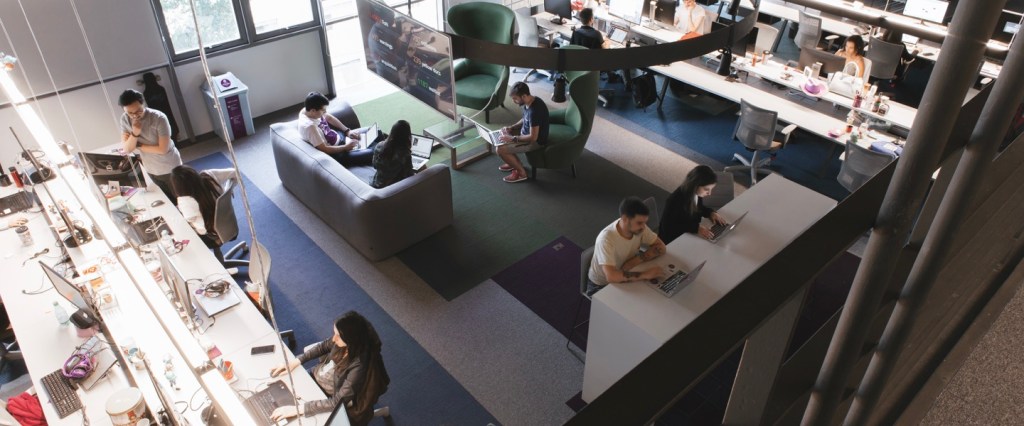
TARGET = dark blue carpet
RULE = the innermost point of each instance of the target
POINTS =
(310, 291)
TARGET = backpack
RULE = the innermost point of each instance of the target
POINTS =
(645, 91)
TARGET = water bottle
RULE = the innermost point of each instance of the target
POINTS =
(60, 313)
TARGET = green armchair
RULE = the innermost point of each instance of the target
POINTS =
(570, 126)
(479, 85)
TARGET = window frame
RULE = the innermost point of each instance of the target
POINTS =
(250, 23)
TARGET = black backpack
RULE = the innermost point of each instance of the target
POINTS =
(645, 91)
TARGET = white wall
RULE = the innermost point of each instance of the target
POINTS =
(278, 74)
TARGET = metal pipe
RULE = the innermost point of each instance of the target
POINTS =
(1007, 94)
(954, 73)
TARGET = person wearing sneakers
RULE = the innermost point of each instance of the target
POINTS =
(528, 134)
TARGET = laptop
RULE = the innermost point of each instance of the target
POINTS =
(618, 35)
(492, 137)
(15, 203)
(720, 230)
(211, 306)
(369, 135)
(264, 402)
(421, 148)
(677, 281)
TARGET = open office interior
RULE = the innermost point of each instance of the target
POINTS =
(482, 320)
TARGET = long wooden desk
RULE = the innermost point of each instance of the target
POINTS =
(630, 321)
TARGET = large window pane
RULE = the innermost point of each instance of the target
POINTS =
(217, 23)
(273, 15)
(334, 10)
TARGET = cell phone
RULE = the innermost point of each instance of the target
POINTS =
(257, 350)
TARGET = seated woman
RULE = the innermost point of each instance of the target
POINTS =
(197, 194)
(392, 158)
(316, 127)
(853, 51)
(690, 18)
(350, 371)
(685, 206)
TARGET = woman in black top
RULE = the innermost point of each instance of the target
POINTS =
(685, 207)
(393, 157)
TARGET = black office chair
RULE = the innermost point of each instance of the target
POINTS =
(585, 258)
(225, 227)
(9, 350)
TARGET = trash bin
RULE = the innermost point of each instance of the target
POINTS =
(233, 98)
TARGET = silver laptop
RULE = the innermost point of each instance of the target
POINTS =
(421, 146)
(492, 137)
(212, 306)
(721, 230)
(618, 35)
(677, 281)
(369, 135)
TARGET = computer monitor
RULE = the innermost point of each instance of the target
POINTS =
(631, 11)
(830, 62)
(664, 11)
(928, 10)
(1007, 26)
(125, 169)
(560, 8)
(178, 285)
(170, 412)
(81, 300)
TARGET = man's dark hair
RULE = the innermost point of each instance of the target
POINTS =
(633, 206)
(520, 89)
(315, 101)
(130, 96)
(587, 16)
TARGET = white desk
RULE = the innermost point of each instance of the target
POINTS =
(628, 322)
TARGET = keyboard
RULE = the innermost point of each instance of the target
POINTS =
(15, 203)
(62, 394)
(669, 285)
(718, 228)
(261, 405)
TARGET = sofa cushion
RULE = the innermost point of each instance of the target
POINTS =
(560, 132)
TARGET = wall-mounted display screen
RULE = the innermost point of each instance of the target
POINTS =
(408, 54)
(929, 10)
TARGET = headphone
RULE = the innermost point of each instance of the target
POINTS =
(215, 289)
(78, 366)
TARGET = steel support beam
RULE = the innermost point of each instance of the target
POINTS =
(1007, 94)
(954, 74)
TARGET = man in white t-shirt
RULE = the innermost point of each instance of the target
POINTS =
(316, 127)
(617, 249)
(690, 17)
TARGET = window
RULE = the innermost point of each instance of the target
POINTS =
(335, 10)
(218, 24)
(273, 15)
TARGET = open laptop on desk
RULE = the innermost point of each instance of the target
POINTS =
(264, 402)
(421, 148)
(720, 230)
(677, 280)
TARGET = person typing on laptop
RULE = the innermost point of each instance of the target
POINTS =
(351, 371)
(528, 134)
(317, 127)
(392, 158)
(617, 249)
(685, 206)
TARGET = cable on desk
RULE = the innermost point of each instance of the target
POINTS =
(182, 410)
(192, 398)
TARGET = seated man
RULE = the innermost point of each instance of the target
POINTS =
(528, 134)
(617, 249)
(315, 127)
(586, 35)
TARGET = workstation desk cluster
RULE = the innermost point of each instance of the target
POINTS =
(138, 312)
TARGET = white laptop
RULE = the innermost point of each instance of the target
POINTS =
(212, 306)
(366, 137)
(491, 136)
(618, 35)
(421, 146)
(720, 231)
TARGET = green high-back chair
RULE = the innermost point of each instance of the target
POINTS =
(480, 85)
(570, 126)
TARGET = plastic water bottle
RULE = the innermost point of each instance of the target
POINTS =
(61, 314)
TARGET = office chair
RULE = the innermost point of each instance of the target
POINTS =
(756, 130)
(767, 38)
(585, 258)
(859, 165)
(885, 59)
(9, 350)
(480, 85)
(225, 226)
(529, 36)
(723, 193)
(809, 32)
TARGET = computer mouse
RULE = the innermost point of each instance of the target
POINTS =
(157, 203)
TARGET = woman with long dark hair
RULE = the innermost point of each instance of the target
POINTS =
(351, 371)
(685, 206)
(197, 194)
(392, 158)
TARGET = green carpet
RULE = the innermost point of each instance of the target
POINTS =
(496, 224)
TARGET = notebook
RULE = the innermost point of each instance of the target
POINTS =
(421, 147)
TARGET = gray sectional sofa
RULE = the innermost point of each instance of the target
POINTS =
(377, 222)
